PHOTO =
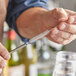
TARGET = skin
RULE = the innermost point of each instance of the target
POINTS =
(35, 21)
(43, 19)
(4, 55)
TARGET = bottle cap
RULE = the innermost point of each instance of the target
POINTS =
(11, 35)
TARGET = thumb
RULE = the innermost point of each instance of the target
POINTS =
(63, 16)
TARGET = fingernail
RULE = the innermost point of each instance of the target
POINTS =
(4, 65)
(72, 20)
(63, 27)
(56, 31)
(64, 16)
(8, 56)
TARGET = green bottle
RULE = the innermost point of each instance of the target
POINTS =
(46, 56)
(15, 68)
(29, 59)
(44, 60)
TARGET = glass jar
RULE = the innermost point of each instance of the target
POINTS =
(65, 64)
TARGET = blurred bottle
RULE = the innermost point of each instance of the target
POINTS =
(29, 59)
(46, 55)
(5, 70)
(5, 30)
(44, 60)
(65, 64)
(15, 68)
(54, 48)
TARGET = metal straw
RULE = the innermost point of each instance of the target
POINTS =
(31, 40)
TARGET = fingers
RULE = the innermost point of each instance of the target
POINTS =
(4, 53)
(0, 70)
(2, 62)
(63, 35)
(60, 14)
(72, 37)
(60, 37)
(53, 35)
(65, 32)
(69, 12)
(63, 15)
(70, 28)
(72, 19)
(72, 16)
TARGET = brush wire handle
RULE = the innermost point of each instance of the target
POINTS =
(31, 40)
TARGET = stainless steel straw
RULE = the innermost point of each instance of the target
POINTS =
(31, 40)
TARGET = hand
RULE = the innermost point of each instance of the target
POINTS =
(37, 20)
(65, 32)
(4, 55)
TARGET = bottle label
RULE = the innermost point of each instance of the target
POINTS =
(16, 71)
(43, 72)
(33, 70)
(44, 75)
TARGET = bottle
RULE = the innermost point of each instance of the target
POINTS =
(54, 48)
(29, 59)
(65, 64)
(15, 68)
(5, 30)
(46, 50)
(44, 60)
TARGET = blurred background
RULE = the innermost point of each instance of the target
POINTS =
(36, 59)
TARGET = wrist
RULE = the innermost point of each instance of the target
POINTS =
(33, 22)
